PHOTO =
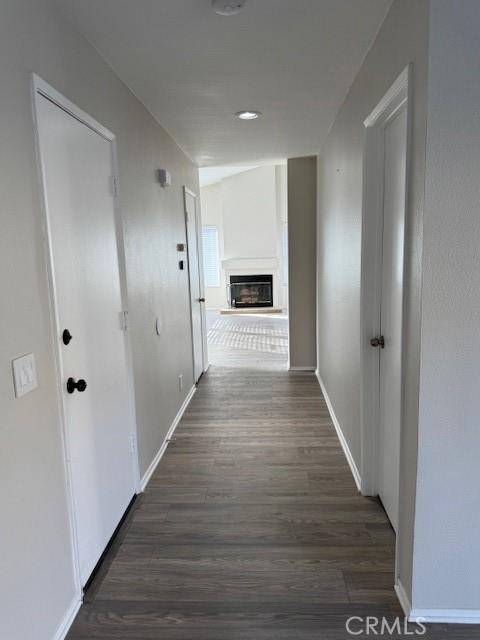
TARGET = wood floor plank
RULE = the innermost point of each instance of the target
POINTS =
(251, 528)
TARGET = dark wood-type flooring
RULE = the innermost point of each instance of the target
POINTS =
(252, 527)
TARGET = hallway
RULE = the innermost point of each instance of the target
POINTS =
(251, 527)
(167, 158)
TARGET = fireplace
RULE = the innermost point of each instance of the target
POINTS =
(251, 291)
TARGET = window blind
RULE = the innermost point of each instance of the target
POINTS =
(211, 266)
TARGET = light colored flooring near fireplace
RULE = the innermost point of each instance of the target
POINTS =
(258, 341)
(252, 527)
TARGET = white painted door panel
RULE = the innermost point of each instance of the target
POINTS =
(195, 274)
(395, 138)
(77, 168)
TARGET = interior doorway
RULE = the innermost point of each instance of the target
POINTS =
(88, 301)
(245, 256)
(382, 294)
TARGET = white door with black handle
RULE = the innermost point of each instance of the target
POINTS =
(196, 287)
(389, 341)
(77, 173)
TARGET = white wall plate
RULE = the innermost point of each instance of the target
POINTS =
(24, 374)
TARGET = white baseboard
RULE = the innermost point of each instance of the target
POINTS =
(64, 626)
(448, 616)
(153, 465)
(432, 616)
(301, 369)
(403, 598)
(346, 450)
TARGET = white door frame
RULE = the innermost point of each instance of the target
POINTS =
(198, 228)
(41, 88)
(396, 98)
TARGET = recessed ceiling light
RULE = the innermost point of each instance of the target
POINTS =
(248, 114)
(227, 7)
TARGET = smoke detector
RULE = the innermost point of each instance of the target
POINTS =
(227, 7)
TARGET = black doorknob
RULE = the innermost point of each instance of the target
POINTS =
(79, 385)
(201, 299)
(378, 342)
(66, 336)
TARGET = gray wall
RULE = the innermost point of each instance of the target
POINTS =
(447, 564)
(302, 195)
(35, 561)
(403, 38)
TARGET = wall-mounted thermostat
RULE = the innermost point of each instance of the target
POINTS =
(164, 177)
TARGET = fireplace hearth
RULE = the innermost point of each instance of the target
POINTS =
(251, 291)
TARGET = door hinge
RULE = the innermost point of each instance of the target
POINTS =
(123, 317)
(114, 186)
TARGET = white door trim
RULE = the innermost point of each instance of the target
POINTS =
(41, 88)
(202, 281)
(198, 228)
(396, 98)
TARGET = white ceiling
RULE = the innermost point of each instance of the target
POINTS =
(294, 60)
(211, 175)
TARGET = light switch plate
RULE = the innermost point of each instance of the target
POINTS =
(24, 374)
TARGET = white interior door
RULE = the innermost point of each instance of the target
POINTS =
(197, 299)
(395, 148)
(77, 173)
